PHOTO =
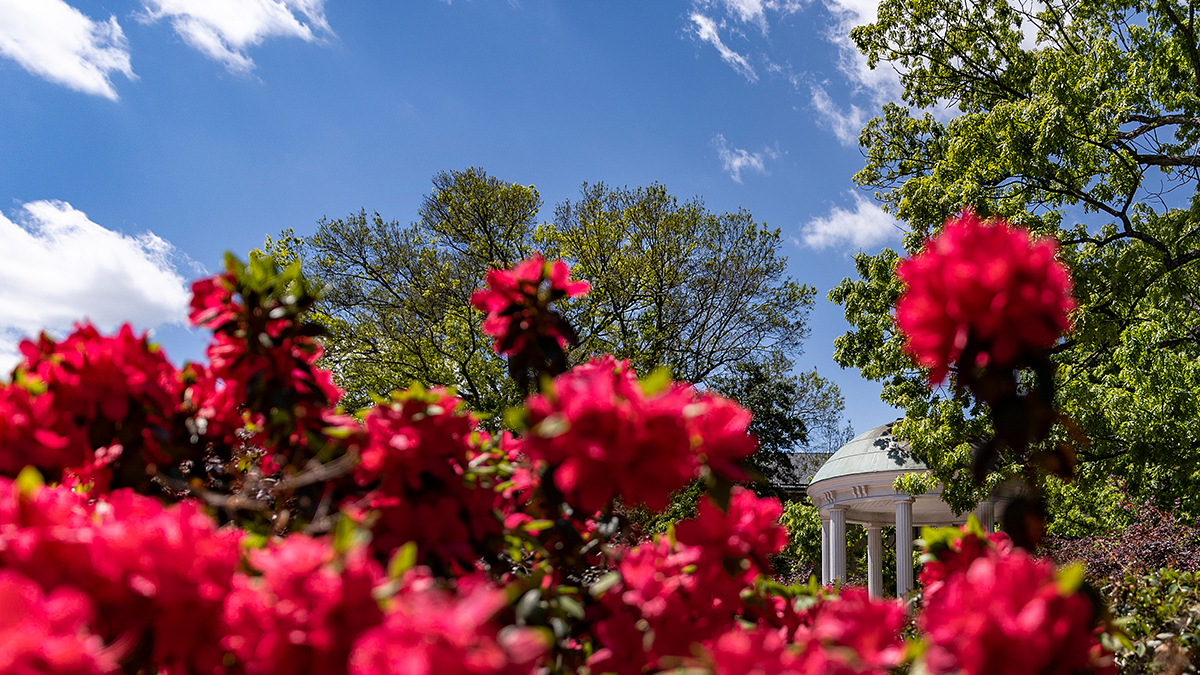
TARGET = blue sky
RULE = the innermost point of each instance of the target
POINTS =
(141, 139)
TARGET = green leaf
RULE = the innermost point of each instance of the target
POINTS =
(516, 418)
(939, 538)
(29, 481)
(255, 540)
(349, 534)
(973, 527)
(604, 583)
(571, 606)
(1069, 578)
(657, 381)
(403, 559)
(529, 603)
(554, 425)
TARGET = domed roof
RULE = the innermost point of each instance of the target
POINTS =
(870, 452)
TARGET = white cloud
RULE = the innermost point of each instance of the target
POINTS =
(52, 39)
(223, 29)
(784, 71)
(706, 29)
(736, 160)
(845, 125)
(58, 267)
(864, 226)
(875, 86)
(880, 84)
(753, 11)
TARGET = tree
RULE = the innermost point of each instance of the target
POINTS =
(397, 301)
(673, 285)
(789, 411)
(1079, 121)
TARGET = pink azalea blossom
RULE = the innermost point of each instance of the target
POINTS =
(605, 437)
(1007, 616)
(48, 634)
(154, 573)
(415, 457)
(304, 611)
(986, 283)
(516, 302)
(84, 394)
(431, 631)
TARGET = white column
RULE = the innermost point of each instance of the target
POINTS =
(826, 576)
(875, 560)
(904, 546)
(837, 544)
(986, 513)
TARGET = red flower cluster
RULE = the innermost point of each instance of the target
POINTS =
(657, 589)
(28, 436)
(754, 651)
(416, 456)
(48, 633)
(430, 631)
(689, 590)
(985, 285)
(720, 427)
(991, 609)
(854, 633)
(213, 302)
(262, 360)
(1008, 615)
(75, 405)
(304, 612)
(604, 436)
(847, 634)
(745, 535)
(421, 436)
(517, 304)
(954, 556)
(154, 573)
(85, 585)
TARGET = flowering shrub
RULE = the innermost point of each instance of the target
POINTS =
(225, 517)
(991, 608)
(603, 435)
(981, 290)
(1149, 574)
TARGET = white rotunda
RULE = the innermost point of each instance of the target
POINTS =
(855, 487)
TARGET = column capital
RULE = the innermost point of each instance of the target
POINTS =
(901, 499)
(873, 526)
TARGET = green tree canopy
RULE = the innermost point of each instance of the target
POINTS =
(673, 285)
(1078, 120)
